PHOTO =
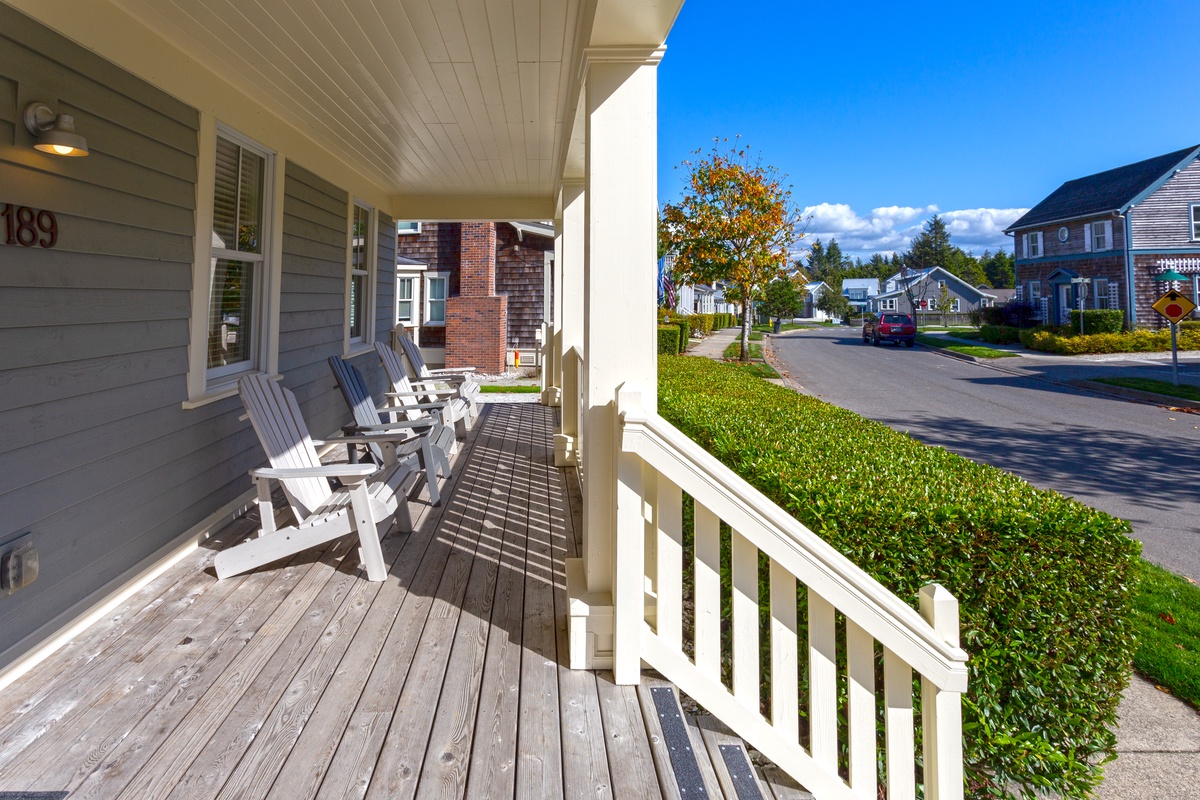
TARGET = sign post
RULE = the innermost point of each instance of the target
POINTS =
(1081, 292)
(1174, 307)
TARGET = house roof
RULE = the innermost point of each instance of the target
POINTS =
(1111, 190)
(925, 274)
(536, 228)
(860, 283)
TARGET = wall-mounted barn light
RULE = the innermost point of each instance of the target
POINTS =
(55, 134)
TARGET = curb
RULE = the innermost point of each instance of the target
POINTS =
(1137, 395)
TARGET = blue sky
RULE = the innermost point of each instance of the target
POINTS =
(882, 113)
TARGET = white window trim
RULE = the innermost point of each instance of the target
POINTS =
(1193, 222)
(357, 345)
(1089, 237)
(1096, 294)
(408, 231)
(203, 387)
(1033, 241)
(425, 298)
(415, 299)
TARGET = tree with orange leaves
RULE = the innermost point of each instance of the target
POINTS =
(735, 223)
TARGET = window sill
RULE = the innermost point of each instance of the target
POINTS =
(358, 349)
(434, 325)
(217, 393)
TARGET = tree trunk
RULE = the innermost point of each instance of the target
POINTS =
(745, 356)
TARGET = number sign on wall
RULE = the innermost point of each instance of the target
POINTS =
(29, 226)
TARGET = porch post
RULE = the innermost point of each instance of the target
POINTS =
(552, 347)
(568, 271)
(620, 97)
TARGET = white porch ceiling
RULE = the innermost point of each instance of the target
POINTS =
(428, 97)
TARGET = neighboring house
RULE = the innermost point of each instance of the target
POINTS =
(1002, 295)
(812, 294)
(926, 289)
(446, 271)
(860, 291)
(692, 298)
(1117, 229)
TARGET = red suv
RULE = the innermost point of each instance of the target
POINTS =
(889, 328)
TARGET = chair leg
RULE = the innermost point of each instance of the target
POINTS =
(430, 466)
(368, 532)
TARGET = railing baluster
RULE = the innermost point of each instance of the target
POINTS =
(898, 723)
(941, 711)
(822, 681)
(745, 622)
(670, 563)
(785, 698)
(860, 669)
(708, 592)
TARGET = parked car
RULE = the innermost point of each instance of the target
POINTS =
(889, 328)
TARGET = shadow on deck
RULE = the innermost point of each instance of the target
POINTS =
(303, 679)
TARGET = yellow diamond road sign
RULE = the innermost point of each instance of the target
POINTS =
(1173, 306)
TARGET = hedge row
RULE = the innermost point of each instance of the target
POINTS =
(668, 340)
(1044, 583)
(702, 324)
(1099, 320)
(999, 334)
(1139, 341)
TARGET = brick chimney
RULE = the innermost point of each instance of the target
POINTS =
(477, 320)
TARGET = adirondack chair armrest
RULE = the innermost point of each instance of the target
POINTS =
(440, 405)
(352, 431)
(425, 393)
(346, 473)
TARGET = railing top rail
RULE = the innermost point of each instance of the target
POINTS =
(772, 530)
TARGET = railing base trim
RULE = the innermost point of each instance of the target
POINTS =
(589, 622)
(565, 452)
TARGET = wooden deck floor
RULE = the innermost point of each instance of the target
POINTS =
(303, 679)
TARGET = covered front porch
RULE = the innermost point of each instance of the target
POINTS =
(303, 679)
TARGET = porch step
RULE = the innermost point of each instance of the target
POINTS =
(698, 757)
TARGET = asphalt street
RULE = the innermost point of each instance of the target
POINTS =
(1135, 461)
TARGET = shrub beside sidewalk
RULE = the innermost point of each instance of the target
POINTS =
(1139, 341)
(1044, 582)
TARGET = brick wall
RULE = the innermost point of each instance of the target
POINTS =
(475, 333)
(437, 245)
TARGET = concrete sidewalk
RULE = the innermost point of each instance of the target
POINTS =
(1158, 735)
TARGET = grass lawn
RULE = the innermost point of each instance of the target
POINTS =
(965, 349)
(1166, 613)
(735, 349)
(787, 326)
(509, 388)
(1151, 385)
(759, 369)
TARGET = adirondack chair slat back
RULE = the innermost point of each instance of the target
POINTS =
(399, 378)
(276, 418)
(358, 397)
(417, 361)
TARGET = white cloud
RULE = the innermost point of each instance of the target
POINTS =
(890, 229)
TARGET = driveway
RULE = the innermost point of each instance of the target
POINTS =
(1135, 461)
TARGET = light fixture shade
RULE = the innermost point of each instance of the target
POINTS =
(55, 135)
(1170, 275)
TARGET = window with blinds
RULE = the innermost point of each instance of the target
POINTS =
(237, 258)
(435, 302)
(404, 299)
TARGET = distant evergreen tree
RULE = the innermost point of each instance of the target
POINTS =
(931, 248)
(1000, 268)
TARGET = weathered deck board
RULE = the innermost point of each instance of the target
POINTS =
(301, 679)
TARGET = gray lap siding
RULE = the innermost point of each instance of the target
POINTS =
(100, 461)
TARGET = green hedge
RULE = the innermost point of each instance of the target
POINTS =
(1139, 341)
(1044, 583)
(1099, 320)
(668, 340)
(685, 332)
(999, 334)
(702, 324)
(1190, 325)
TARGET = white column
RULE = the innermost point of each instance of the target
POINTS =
(552, 346)
(620, 95)
(568, 271)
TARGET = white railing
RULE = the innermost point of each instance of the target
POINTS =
(657, 465)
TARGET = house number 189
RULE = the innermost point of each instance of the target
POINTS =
(27, 226)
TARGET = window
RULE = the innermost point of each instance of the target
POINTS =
(237, 290)
(1097, 236)
(404, 299)
(1035, 292)
(956, 306)
(408, 228)
(1195, 221)
(941, 284)
(359, 273)
(1033, 244)
(888, 305)
(435, 298)
(1100, 292)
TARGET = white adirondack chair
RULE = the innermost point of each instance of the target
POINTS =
(457, 411)
(460, 378)
(369, 501)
